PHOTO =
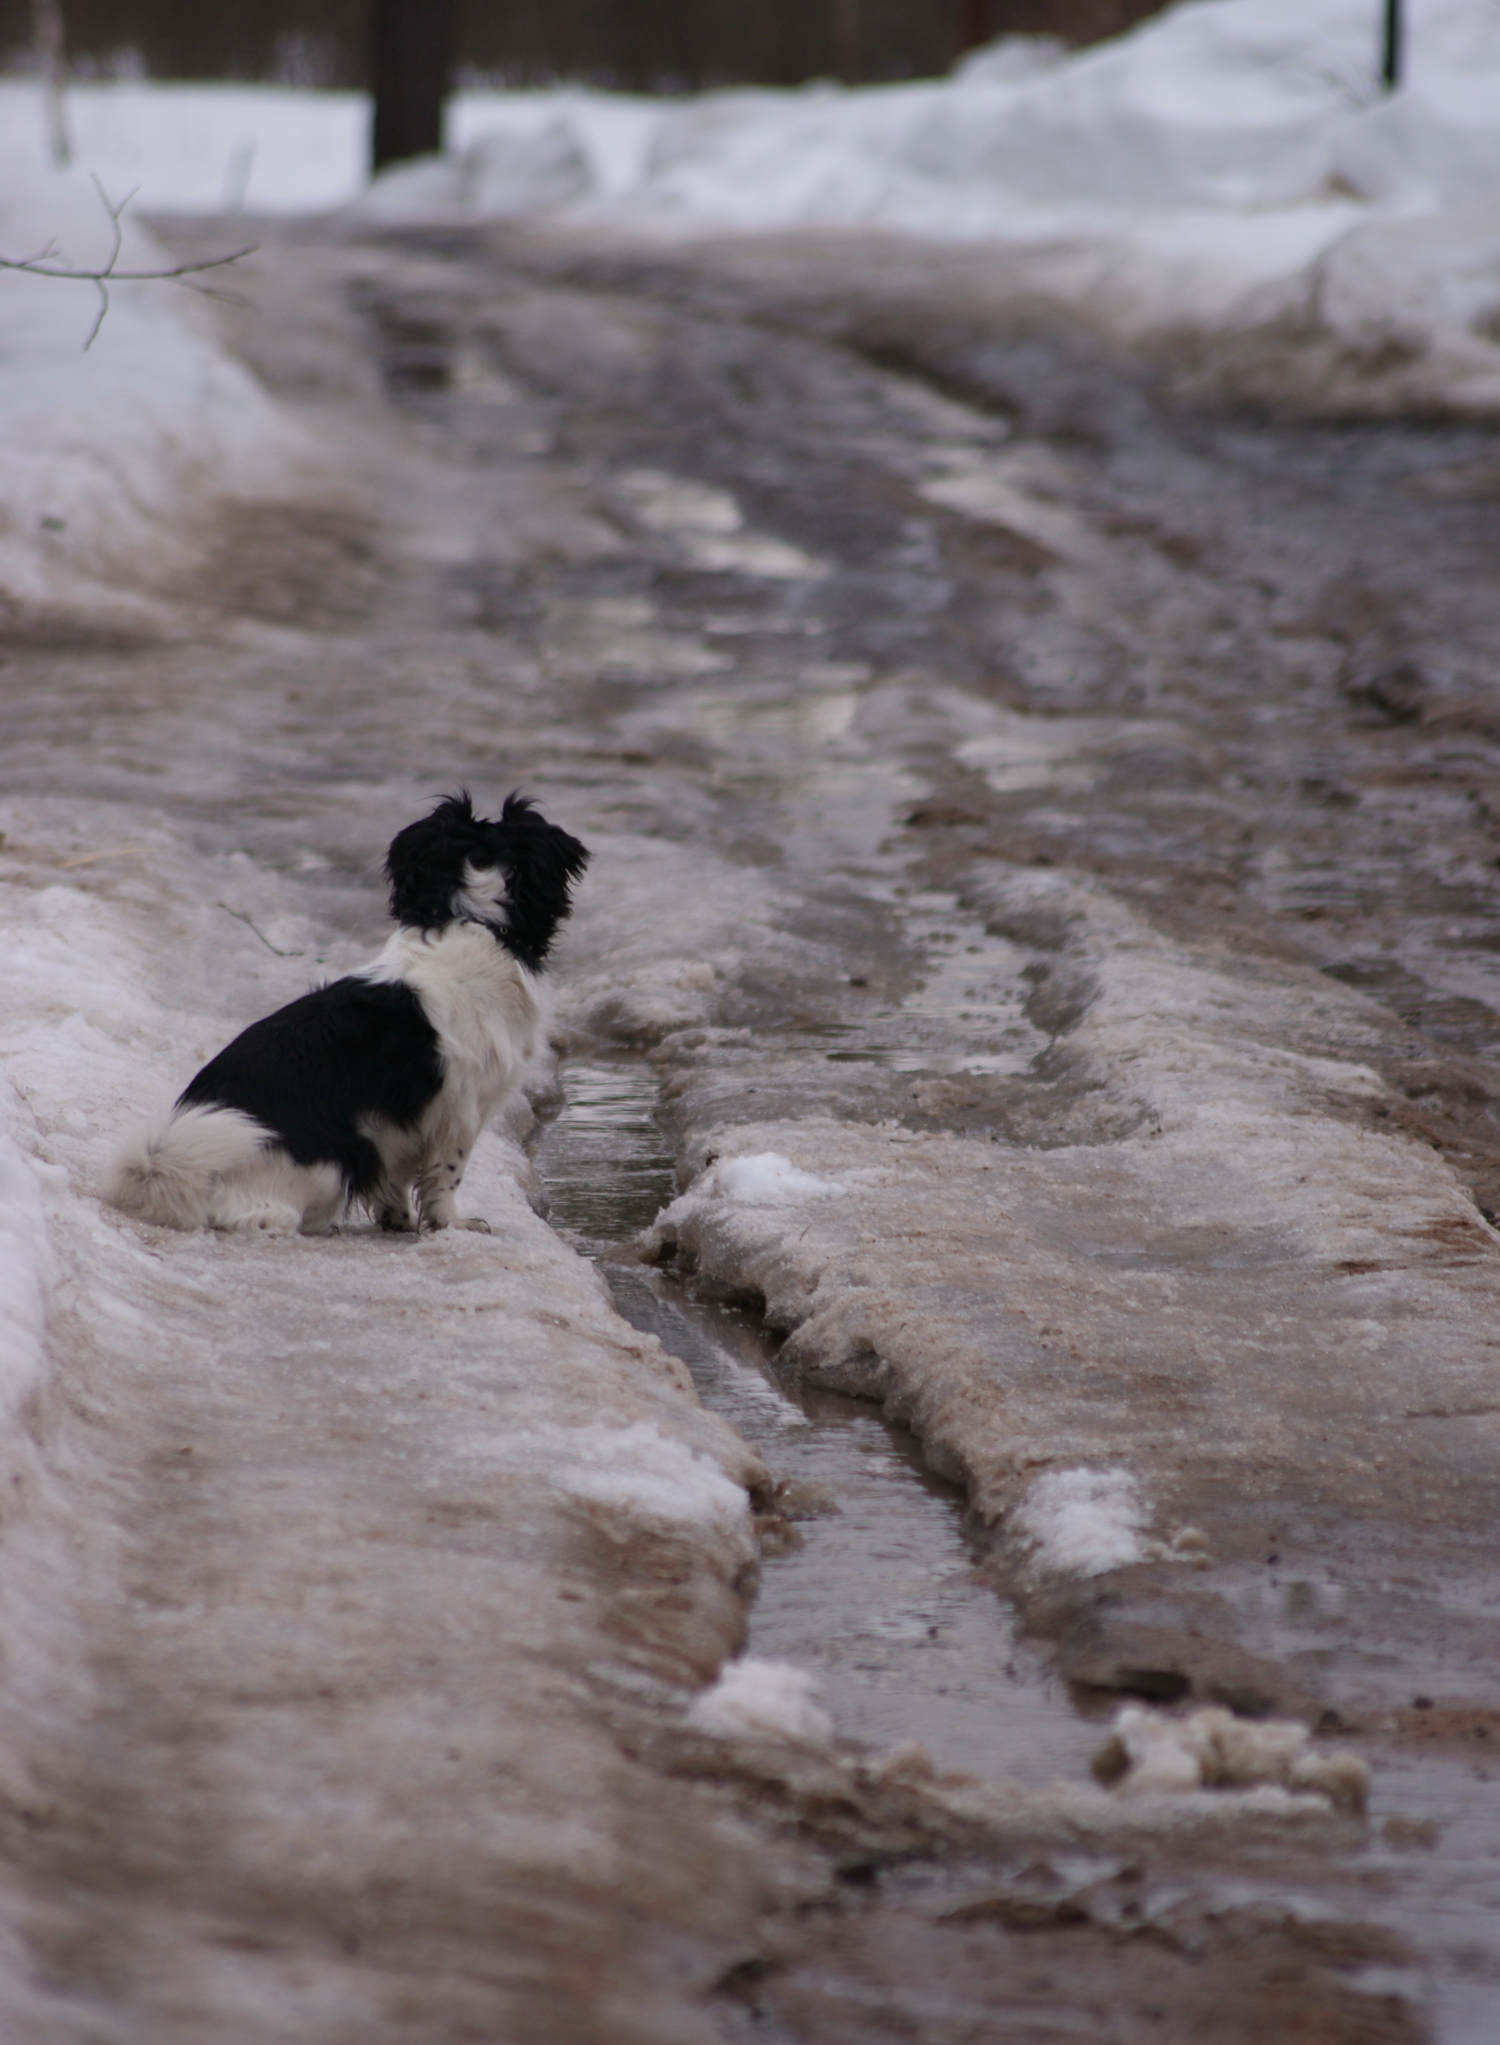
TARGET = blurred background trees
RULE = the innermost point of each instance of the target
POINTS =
(645, 45)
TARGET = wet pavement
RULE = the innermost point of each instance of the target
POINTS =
(912, 670)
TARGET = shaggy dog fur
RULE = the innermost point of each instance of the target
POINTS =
(371, 1091)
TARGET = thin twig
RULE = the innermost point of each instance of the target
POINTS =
(240, 917)
(42, 265)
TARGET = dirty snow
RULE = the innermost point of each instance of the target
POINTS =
(1153, 1753)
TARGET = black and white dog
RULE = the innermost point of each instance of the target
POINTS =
(371, 1091)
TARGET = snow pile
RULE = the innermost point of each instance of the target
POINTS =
(756, 1699)
(1150, 1752)
(1084, 1522)
(1229, 168)
(106, 457)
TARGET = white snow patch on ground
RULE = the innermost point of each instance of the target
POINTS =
(108, 457)
(754, 1699)
(1084, 1522)
(1151, 1752)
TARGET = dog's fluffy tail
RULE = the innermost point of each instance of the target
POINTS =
(168, 1173)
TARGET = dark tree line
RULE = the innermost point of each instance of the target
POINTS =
(646, 45)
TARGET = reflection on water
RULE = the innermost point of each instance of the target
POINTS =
(879, 1595)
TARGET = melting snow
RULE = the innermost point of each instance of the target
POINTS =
(1084, 1522)
(768, 1180)
(755, 1698)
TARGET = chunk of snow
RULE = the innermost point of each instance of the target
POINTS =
(768, 1180)
(643, 1472)
(1152, 1752)
(758, 1699)
(1083, 1522)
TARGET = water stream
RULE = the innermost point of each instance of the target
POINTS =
(878, 1594)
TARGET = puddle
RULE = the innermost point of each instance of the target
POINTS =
(879, 1596)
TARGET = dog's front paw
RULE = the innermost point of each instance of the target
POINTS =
(476, 1222)
(268, 1221)
(398, 1220)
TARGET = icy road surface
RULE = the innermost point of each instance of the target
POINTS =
(1043, 850)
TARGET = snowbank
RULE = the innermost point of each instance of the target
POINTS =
(107, 457)
(1229, 169)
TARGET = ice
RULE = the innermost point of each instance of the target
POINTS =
(1084, 1522)
(755, 1699)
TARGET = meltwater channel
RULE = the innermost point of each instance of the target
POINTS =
(878, 1596)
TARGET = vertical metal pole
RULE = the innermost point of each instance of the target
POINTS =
(51, 51)
(1390, 53)
(411, 62)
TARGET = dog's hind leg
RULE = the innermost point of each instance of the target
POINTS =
(437, 1188)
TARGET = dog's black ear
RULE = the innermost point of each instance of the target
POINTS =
(541, 863)
(425, 863)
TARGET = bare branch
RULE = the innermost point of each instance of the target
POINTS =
(43, 264)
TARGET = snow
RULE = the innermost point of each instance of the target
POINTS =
(765, 1179)
(1229, 167)
(1084, 1522)
(1152, 1753)
(23, 1263)
(755, 1699)
(124, 972)
(110, 459)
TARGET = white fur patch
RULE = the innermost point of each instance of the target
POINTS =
(485, 897)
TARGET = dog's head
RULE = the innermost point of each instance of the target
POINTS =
(514, 874)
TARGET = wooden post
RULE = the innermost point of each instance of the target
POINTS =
(411, 61)
(51, 51)
(1390, 54)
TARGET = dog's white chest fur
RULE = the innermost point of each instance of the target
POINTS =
(485, 1006)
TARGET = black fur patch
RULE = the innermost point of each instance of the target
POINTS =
(313, 1070)
(540, 862)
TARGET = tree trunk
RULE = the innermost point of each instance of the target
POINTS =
(411, 61)
(47, 36)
